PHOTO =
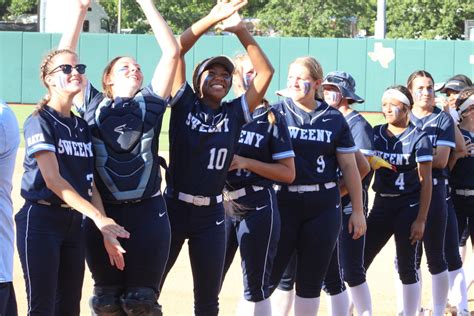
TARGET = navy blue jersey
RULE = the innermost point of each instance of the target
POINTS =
(440, 129)
(202, 142)
(316, 137)
(125, 135)
(69, 138)
(263, 141)
(363, 135)
(404, 151)
(462, 175)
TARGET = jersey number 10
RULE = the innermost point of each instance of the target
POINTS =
(217, 159)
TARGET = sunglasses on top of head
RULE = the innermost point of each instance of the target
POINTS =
(335, 79)
(67, 69)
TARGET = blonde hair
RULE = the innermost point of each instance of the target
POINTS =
(310, 63)
(45, 68)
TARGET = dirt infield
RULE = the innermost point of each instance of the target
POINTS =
(177, 297)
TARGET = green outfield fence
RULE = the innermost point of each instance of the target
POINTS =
(375, 64)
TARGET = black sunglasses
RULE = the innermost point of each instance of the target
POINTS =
(67, 69)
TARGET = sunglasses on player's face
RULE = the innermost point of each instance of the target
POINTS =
(67, 69)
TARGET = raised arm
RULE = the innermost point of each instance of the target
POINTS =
(163, 77)
(186, 41)
(263, 68)
(73, 27)
(70, 36)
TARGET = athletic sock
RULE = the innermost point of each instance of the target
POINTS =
(282, 302)
(457, 289)
(361, 298)
(411, 298)
(246, 308)
(339, 304)
(439, 291)
(306, 306)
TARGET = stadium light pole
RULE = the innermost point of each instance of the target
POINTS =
(380, 21)
(119, 16)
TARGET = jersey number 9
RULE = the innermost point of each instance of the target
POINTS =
(321, 164)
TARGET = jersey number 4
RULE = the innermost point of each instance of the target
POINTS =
(217, 158)
(400, 182)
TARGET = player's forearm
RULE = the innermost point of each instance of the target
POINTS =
(441, 156)
(352, 179)
(163, 33)
(96, 200)
(426, 183)
(69, 195)
(263, 68)
(280, 171)
(362, 164)
(460, 143)
(72, 29)
(258, 58)
(192, 34)
(163, 77)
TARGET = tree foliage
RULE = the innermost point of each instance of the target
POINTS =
(428, 19)
(4, 4)
(19, 7)
(424, 19)
(179, 14)
(313, 18)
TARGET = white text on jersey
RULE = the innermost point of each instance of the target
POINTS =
(319, 135)
(36, 138)
(196, 124)
(394, 159)
(77, 149)
(249, 138)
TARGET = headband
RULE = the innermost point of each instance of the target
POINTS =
(397, 95)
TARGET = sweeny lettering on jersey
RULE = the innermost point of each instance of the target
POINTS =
(68, 147)
(318, 135)
(218, 125)
(77, 149)
(250, 138)
(394, 159)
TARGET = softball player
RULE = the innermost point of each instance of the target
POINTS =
(263, 155)
(203, 131)
(451, 88)
(347, 263)
(402, 197)
(58, 186)
(310, 206)
(126, 121)
(9, 142)
(441, 130)
(462, 168)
